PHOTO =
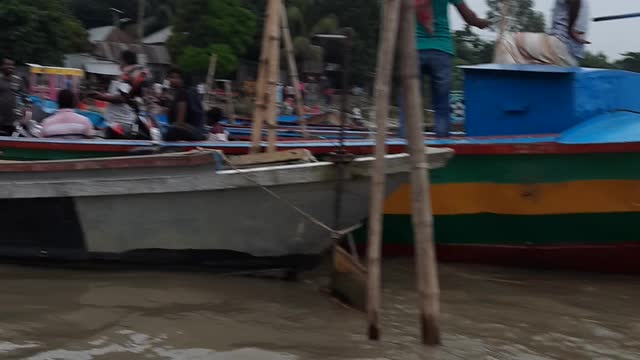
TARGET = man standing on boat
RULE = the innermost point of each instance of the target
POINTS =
(136, 76)
(12, 97)
(435, 46)
(563, 46)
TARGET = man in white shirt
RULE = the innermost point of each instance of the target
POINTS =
(563, 46)
(137, 77)
(65, 123)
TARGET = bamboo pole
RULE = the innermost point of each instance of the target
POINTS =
(426, 266)
(261, 91)
(231, 109)
(293, 70)
(273, 72)
(211, 76)
(386, 52)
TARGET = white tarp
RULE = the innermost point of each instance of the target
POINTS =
(533, 48)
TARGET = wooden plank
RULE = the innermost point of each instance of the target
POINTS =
(348, 279)
(274, 157)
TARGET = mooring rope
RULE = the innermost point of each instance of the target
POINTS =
(335, 234)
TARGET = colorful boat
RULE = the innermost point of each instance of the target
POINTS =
(515, 196)
(547, 174)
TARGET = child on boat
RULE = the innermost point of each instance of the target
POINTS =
(217, 131)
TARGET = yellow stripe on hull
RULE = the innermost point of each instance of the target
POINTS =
(576, 197)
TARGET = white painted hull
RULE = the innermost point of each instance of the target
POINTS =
(95, 212)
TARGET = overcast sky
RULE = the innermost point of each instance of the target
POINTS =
(611, 37)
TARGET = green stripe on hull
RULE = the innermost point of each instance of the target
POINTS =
(527, 169)
(490, 229)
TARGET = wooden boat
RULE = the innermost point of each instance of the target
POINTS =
(545, 176)
(182, 207)
(549, 176)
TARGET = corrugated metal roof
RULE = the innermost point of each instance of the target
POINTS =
(77, 60)
(160, 37)
(156, 54)
(103, 68)
(100, 33)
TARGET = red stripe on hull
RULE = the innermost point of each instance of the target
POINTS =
(541, 148)
(616, 258)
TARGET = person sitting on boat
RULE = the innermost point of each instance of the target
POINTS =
(137, 77)
(564, 46)
(186, 116)
(12, 97)
(217, 132)
(65, 123)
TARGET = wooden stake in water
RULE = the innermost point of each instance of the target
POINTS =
(386, 52)
(293, 71)
(426, 266)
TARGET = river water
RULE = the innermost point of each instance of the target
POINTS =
(487, 313)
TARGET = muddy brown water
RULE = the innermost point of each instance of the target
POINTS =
(488, 313)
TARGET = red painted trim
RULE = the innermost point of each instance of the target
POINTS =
(541, 148)
(149, 161)
(614, 258)
(60, 146)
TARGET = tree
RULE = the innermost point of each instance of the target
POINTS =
(598, 61)
(363, 16)
(521, 14)
(470, 50)
(204, 27)
(40, 31)
(96, 13)
(310, 17)
(630, 61)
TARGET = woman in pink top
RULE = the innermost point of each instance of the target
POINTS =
(65, 123)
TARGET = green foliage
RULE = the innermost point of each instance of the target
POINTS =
(471, 50)
(39, 31)
(202, 27)
(525, 18)
(630, 61)
(194, 60)
(598, 60)
(363, 16)
(95, 13)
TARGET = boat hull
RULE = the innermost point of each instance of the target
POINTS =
(23, 149)
(566, 209)
(178, 206)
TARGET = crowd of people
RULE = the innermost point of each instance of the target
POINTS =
(125, 96)
(563, 46)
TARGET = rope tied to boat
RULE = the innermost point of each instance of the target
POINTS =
(336, 235)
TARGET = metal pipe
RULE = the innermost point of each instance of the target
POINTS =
(346, 82)
(617, 17)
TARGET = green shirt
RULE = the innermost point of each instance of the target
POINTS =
(441, 39)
